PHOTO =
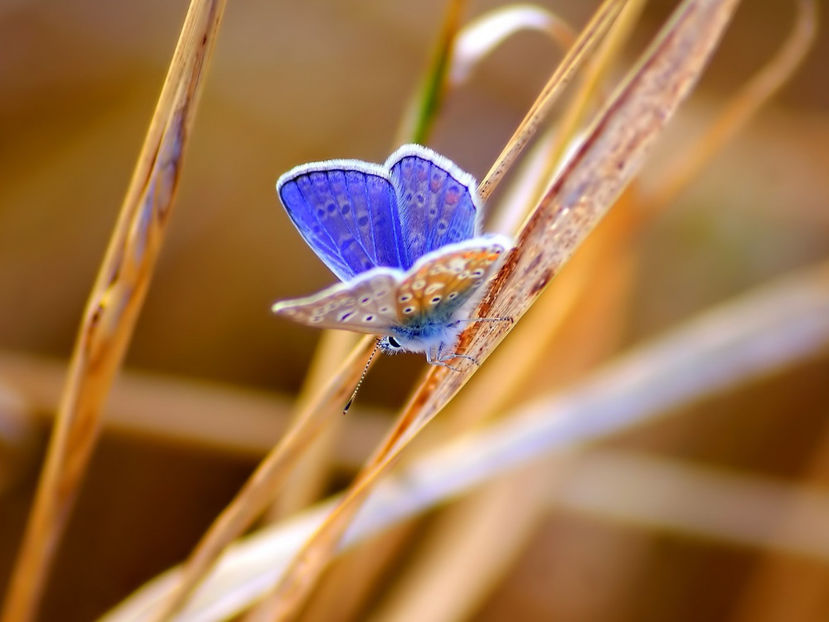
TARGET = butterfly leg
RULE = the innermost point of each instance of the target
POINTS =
(433, 357)
(455, 355)
(441, 358)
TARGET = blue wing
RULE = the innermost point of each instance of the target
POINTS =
(347, 213)
(437, 201)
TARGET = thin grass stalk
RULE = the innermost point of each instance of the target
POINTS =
(482, 35)
(575, 57)
(763, 332)
(309, 476)
(418, 121)
(183, 412)
(352, 580)
(595, 75)
(113, 307)
(611, 154)
(454, 568)
(512, 214)
(259, 489)
(570, 120)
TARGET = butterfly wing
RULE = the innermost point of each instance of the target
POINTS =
(443, 281)
(346, 211)
(366, 304)
(437, 201)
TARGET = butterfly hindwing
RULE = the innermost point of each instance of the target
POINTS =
(443, 281)
(437, 201)
(366, 304)
(347, 212)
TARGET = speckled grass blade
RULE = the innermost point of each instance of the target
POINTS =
(113, 307)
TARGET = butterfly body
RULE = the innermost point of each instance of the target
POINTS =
(405, 240)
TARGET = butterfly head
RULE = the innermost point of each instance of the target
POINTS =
(390, 345)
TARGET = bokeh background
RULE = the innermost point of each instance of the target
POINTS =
(292, 82)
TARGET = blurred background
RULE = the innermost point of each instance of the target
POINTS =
(293, 82)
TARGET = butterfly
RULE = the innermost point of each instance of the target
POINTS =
(404, 238)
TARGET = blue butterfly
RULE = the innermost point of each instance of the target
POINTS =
(405, 240)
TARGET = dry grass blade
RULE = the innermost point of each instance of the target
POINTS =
(482, 35)
(610, 155)
(259, 489)
(184, 412)
(760, 333)
(594, 76)
(589, 37)
(310, 474)
(773, 515)
(113, 306)
(742, 107)
(569, 123)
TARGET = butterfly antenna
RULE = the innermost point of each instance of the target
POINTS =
(362, 377)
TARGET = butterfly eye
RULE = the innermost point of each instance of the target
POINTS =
(394, 343)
